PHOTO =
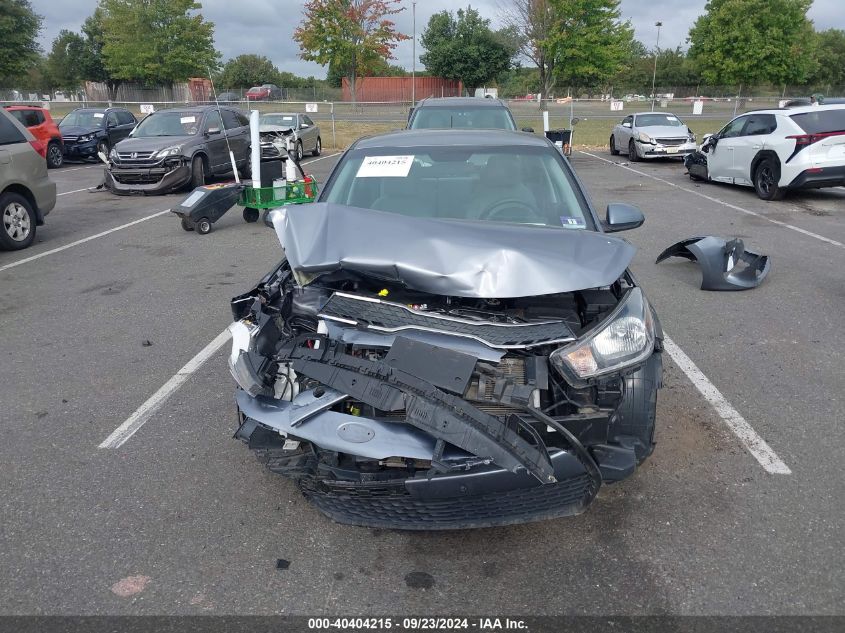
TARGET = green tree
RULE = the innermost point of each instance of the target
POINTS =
(830, 54)
(351, 36)
(65, 61)
(156, 41)
(751, 42)
(532, 21)
(464, 47)
(589, 41)
(19, 28)
(245, 71)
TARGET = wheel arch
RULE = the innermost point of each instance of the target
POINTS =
(24, 191)
(759, 157)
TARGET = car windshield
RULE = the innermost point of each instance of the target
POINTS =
(522, 185)
(170, 123)
(488, 118)
(84, 118)
(649, 120)
(282, 120)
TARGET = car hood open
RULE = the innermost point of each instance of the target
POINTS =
(459, 258)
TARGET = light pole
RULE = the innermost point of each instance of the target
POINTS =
(654, 74)
(414, 57)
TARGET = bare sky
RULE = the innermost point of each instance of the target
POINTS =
(266, 26)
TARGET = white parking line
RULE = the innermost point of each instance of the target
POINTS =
(749, 438)
(154, 402)
(314, 160)
(63, 170)
(67, 193)
(26, 260)
(722, 202)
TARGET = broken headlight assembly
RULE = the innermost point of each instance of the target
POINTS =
(642, 137)
(625, 338)
(169, 151)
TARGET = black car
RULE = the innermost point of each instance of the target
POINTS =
(461, 112)
(180, 147)
(452, 340)
(86, 131)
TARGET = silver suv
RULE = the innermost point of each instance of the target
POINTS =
(26, 193)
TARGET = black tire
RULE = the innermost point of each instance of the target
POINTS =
(203, 226)
(766, 178)
(187, 225)
(613, 150)
(197, 172)
(54, 155)
(251, 215)
(17, 222)
(632, 152)
(299, 152)
(318, 147)
(634, 424)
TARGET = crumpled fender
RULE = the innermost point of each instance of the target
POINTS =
(718, 259)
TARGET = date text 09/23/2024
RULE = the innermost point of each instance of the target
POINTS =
(417, 624)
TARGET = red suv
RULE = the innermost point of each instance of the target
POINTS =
(39, 122)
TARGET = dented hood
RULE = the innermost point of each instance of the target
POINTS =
(448, 257)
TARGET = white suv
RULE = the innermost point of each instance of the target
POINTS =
(778, 150)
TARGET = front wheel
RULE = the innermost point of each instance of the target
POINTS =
(103, 148)
(251, 215)
(632, 152)
(17, 222)
(613, 150)
(634, 422)
(318, 147)
(54, 155)
(299, 152)
(766, 178)
(197, 172)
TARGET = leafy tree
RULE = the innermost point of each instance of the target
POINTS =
(830, 47)
(750, 42)
(533, 21)
(588, 40)
(463, 47)
(245, 71)
(92, 65)
(19, 28)
(351, 36)
(64, 63)
(157, 41)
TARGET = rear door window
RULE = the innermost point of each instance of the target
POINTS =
(9, 133)
(821, 121)
(230, 120)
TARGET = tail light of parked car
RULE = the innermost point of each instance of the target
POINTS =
(805, 140)
(40, 147)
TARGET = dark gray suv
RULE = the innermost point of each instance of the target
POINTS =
(182, 147)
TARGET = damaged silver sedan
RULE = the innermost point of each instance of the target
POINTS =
(452, 340)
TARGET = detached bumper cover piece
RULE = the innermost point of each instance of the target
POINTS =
(718, 259)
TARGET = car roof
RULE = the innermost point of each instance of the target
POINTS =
(796, 110)
(477, 102)
(280, 113)
(193, 108)
(451, 137)
(653, 112)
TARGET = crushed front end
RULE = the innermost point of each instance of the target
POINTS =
(403, 408)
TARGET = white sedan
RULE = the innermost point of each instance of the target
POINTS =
(651, 134)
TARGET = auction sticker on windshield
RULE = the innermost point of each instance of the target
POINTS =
(385, 167)
(188, 119)
(99, 115)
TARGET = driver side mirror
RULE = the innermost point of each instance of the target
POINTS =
(626, 124)
(622, 217)
(303, 126)
(530, 130)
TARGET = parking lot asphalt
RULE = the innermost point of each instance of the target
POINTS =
(180, 519)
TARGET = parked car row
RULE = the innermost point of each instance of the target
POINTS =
(27, 194)
(775, 150)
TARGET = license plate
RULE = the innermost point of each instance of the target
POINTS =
(671, 150)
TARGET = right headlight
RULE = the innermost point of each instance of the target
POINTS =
(644, 138)
(625, 338)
